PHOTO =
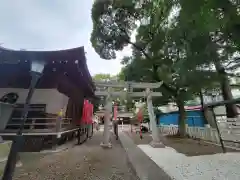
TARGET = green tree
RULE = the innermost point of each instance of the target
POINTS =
(102, 77)
(176, 53)
(113, 24)
(214, 24)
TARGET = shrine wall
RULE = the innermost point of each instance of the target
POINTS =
(51, 97)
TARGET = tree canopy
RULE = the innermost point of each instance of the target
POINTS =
(188, 45)
(105, 77)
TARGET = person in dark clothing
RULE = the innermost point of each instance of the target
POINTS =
(144, 129)
(115, 128)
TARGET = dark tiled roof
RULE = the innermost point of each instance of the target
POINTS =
(65, 70)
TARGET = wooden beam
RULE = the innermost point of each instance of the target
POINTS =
(139, 85)
(133, 94)
(145, 85)
(143, 94)
(111, 84)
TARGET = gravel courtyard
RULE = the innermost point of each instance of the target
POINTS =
(186, 146)
(87, 162)
(208, 167)
(190, 159)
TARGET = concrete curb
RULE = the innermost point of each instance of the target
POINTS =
(143, 166)
(229, 147)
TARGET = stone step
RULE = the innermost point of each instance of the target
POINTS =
(4, 151)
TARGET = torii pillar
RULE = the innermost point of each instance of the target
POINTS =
(107, 115)
(156, 142)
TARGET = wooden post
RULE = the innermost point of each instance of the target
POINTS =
(218, 131)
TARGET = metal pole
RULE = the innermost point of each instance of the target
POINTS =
(19, 139)
(219, 135)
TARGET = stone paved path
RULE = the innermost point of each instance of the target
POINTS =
(87, 162)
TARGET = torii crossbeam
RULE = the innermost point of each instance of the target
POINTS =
(109, 93)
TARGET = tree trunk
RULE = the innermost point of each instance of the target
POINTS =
(202, 106)
(231, 109)
(181, 118)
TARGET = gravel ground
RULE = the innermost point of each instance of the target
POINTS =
(207, 167)
(190, 159)
(186, 146)
(87, 162)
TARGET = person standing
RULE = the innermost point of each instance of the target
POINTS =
(115, 122)
(115, 128)
(96, 121)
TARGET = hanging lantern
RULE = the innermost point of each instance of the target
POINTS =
(88, 113)
(91, 113)
(84, 112)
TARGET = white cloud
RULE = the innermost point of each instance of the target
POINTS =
(51, 25)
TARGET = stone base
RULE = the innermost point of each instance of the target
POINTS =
(109, 145)
(157, 144)
(5, 149)
(19, 164)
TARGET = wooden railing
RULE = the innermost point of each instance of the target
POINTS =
(51, 125)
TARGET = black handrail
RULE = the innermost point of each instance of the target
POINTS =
(84, 131)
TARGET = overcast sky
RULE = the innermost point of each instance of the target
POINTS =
(52, 25)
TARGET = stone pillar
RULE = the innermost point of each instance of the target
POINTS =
(106, 134)
(156, 142)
